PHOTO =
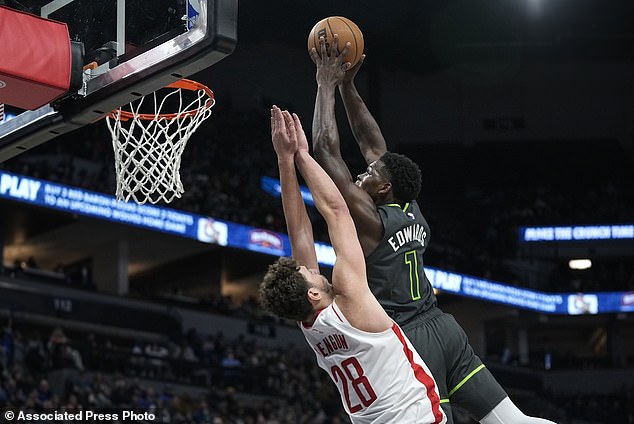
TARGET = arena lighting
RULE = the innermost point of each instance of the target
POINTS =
(535, 7)
(272, 186)
(580, 264)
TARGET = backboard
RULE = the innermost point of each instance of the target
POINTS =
(135, 47)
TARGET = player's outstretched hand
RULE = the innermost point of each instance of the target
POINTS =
(330, 65)
(352, 72)
(284, 143)
(302, 141)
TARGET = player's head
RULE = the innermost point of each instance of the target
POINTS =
(392, 175)
(292, 291)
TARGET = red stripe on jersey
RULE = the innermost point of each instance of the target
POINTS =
(421, 376)
(335, 311)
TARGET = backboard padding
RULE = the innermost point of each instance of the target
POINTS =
(140, 70)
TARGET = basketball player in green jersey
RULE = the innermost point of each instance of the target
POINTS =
(394, 235)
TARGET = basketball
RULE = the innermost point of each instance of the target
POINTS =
(347, 31)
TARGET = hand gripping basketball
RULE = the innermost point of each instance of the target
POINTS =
(352, 72)
(331, 67)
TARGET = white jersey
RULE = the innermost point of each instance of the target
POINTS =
(380, 376)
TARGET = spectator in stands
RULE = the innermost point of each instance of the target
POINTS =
(203, 414)
(62, 353)
(157, 355)
(43, 391)
(231, 368)
(187, 353)
(7, 346)
(31, 263)
(36, 353)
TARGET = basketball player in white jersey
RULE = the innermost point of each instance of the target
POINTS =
(380, 376)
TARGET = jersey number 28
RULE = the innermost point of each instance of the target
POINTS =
(346, 374)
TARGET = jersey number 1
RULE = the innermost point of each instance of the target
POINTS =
(357, 382)
(412, 260)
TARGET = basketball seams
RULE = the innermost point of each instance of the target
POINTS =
(354, 37)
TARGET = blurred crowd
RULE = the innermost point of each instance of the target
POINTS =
(203, 380)
(210, 379)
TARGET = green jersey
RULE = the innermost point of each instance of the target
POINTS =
(395, 267)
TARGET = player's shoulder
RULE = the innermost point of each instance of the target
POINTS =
(396, 208)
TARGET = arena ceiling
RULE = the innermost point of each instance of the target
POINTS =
(424, 35)
(427, 34)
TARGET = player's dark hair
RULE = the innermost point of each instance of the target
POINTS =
(404, 175)
(283, 291)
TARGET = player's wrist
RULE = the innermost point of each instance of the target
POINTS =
(300, 156)
(329, 86)
(285, 159)
(347, 86)
(299, 153)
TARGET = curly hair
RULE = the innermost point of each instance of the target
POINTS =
(404, 174)
(283, 291)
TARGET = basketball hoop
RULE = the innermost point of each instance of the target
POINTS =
(148, 146)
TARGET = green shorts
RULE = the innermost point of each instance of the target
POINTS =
(462, 378)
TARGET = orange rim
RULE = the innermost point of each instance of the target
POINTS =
(185, 84)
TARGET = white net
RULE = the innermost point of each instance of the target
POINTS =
(148, 146)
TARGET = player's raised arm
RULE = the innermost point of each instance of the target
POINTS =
(349, 272)
(330, 70)
(298, 225)
(363, 125)
(326, 145)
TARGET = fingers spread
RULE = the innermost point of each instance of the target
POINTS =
(334, 51)
(322, 47)
(314, 55)
(345, 49)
